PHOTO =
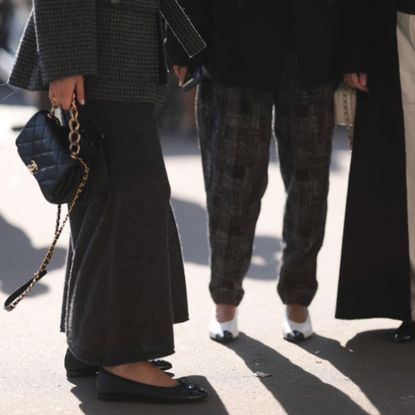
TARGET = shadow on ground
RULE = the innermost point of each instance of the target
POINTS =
(384, 371)
(192, 223)
(84, 390)
(296, 390)
(19, 259)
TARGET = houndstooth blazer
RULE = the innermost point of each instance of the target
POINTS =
(116, 44)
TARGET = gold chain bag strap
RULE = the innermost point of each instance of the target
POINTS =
(74, 149)
(345, 109)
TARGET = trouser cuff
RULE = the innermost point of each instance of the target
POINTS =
(297, 287)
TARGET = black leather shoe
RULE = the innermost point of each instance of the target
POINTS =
(405, 332)
(77, 369)
(115, 388)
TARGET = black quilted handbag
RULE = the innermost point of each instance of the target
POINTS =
(53, 154)
(69, 165)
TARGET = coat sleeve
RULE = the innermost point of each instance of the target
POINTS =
(355, 36)
(66, 38)
(198, 12)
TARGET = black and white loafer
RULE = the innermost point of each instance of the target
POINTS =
(296, 332)
(223, 332)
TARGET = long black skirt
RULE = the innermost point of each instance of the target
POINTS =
(125, 285)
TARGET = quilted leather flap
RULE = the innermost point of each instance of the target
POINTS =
(42, 136)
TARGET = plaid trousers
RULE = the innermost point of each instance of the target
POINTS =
(235, 128)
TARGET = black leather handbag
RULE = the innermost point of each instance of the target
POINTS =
(53, 153)
(69, 164)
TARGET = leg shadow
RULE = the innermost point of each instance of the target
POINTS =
(84, 390)
(19, 259)
(383, 370)
(297, 391)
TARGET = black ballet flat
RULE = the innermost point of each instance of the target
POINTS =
(78, 369)
(406, 332)
(115, 388)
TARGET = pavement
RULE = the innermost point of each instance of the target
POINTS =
(348, 367)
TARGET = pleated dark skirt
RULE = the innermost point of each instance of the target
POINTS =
(125, 285)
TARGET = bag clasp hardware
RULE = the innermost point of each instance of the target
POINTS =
(33, 167)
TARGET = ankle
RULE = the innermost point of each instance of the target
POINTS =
(123, 370)
(225, 312)
(297, 312)
(143, 372)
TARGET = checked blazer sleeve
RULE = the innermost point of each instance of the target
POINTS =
(66, 38)
(182, 27)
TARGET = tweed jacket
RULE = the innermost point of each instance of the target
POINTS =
(116, 44)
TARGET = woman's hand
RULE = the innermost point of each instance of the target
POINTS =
(62, 91)
(357, 81)
(181, 73)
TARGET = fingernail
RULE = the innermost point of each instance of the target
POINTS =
(82, 102)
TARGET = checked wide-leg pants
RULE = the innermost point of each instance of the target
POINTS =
(235, 129)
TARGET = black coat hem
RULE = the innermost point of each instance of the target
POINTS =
(364, 316)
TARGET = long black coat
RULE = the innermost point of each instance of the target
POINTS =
(248, 38)
(375, 270)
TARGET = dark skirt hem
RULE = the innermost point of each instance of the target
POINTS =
(139, 357)
(136, 358)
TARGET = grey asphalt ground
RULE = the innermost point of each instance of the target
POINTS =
(348, 367)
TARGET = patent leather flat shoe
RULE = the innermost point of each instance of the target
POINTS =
(296, 332)
(223, 332)
(406, 332)
(115, 388)
(76, 368)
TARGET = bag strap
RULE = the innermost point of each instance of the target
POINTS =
(74, 148)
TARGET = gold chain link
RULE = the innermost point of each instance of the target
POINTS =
(347, 115)
(74, 133)
(74, 148)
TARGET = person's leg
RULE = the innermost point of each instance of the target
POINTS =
(304, 128)
(234, 127)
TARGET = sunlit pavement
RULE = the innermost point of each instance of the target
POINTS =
(347, 368)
